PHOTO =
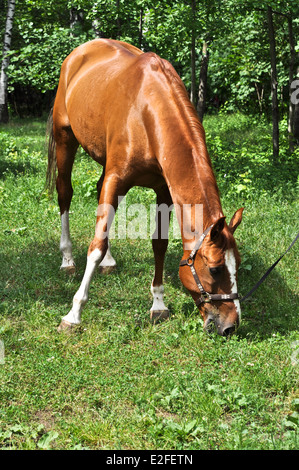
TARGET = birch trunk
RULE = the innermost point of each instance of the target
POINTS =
(193, 56)
(203, 79)
(118, 23)
(5, 61)
(76, 17)
(295, 128)
(291, 78)
(140, 28)
(275, 114)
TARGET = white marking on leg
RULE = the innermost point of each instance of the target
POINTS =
(158, 294)
(65, 242)
(108, 260)
(81, 296)
(230, 262)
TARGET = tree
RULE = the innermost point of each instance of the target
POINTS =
(220, 49)
(193, 53)
(76, 20)
(5, 61)
(203, 79)
(210, 24)
(295, 120)
(275, 113)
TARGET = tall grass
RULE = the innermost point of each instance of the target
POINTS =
(117, 381)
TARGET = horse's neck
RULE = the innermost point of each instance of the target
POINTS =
(186, 165)
(194, 191)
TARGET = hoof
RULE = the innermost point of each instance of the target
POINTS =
(65, 326)
(107, 269)
(159, 315)
(68, 269)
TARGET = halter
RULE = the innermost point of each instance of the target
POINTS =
(205, 296)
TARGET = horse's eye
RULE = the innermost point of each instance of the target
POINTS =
(216, 270)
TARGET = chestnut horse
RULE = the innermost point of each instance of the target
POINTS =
(131, 113)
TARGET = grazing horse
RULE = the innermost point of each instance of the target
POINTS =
(130, 112)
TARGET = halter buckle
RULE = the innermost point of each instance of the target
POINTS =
(205, 298)
(189, 261)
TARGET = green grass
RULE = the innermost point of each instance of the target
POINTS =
(117, 381)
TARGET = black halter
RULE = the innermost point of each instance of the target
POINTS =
(205, 296)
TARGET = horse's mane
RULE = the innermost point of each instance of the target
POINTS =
(189, 112)
(195, 127)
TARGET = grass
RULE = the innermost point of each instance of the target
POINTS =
(117, 381)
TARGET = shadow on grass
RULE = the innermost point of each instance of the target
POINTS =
(264, 176)
(272, 308)
(237, 128)
(35, 276)
(16, 168)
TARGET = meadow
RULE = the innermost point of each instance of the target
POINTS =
(117, 381)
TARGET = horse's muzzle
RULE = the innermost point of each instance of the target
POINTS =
(223, 328)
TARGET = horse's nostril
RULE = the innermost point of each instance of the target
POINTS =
(209, 326)
(229, 331)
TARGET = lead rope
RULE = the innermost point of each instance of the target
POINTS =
(255, 287)
(205, 296)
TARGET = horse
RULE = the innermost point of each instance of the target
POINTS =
(130, 111)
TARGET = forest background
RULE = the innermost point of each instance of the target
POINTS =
(231, 54)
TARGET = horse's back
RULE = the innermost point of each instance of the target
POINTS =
(110, 94)
(92, 64)
(87, 85)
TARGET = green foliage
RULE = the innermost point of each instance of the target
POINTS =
(135, 385)
(236, 34)
(251, 170)
(38, 62)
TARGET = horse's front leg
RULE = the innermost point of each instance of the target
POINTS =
(159, 311)
(113, 187)
(108, 264)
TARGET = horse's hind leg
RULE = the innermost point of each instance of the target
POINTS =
(160, 242)
(66, 147)
(108, 264)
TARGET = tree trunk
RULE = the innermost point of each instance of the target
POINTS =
(260, 95)
(275, 114)
(5, 61)
(118, 24)
(140, 28)
(96, 23)
(193, 56)
(295, 100)
(203, 79)
(291, 78)
(76, 18)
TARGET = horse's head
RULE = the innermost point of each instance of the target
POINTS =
(210, 274)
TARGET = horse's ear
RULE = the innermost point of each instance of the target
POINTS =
(236, 220)
(217, 228)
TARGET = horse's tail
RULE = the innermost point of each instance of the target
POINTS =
(52, 164)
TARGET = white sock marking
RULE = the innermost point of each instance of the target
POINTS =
(81, 296)
(230, 262)
(158, 293)
(65, 242)
(108, 260)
